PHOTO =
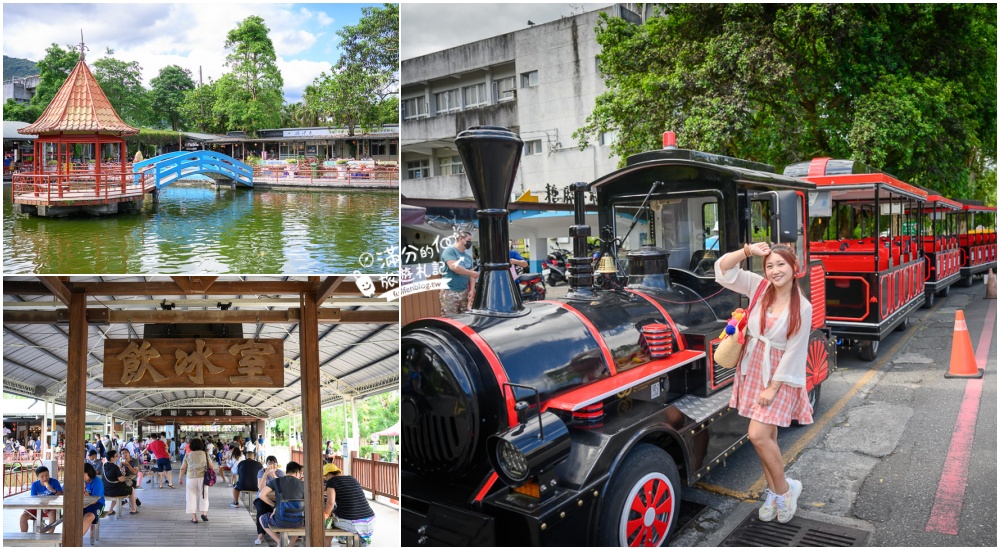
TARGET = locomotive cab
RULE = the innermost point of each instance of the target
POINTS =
(576, 421)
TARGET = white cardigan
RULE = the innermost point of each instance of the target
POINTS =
(791, 368)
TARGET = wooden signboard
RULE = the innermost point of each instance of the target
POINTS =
(194, 363)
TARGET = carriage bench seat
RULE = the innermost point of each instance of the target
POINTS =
(352, 538)
(32, 539)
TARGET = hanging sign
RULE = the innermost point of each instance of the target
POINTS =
(194, 363)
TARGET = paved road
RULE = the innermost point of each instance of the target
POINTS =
(875, 457)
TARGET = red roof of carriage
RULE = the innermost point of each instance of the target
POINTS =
(80, 106)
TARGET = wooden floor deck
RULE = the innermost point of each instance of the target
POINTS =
(81, 197)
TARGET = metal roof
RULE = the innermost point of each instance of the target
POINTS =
(10, 128)
(356, 360)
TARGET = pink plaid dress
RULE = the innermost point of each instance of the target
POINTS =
(790, 403)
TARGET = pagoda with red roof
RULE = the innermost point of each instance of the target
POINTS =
(80, 162)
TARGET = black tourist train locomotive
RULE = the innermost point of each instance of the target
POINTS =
(575, 421)
(582, 433)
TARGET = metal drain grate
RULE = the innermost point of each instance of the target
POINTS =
(798, 532)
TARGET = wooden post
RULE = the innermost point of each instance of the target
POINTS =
(310, 383)
(76, 401)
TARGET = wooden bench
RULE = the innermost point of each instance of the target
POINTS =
(248, 497)
(32, 539)
(283, 533)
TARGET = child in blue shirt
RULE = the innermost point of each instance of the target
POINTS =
(93, 487)
(45, 485)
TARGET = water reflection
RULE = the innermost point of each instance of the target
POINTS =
(198, 229)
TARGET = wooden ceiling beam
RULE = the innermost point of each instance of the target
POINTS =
(328, 287)
(104, 316)
(57, 288)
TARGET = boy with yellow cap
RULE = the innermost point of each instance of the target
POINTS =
(345, 497)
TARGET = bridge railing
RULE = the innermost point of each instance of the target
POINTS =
(375, 476)
(292, 174)
(171, 167)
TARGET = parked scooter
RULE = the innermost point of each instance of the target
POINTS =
(557, 266)
(532, 286)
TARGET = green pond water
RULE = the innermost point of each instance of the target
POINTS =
(198, 229)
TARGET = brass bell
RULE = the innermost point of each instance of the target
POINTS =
(607, 265)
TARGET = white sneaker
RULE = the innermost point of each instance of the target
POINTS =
(769, 510)
(789, 502)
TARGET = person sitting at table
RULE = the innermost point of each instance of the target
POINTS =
(92, 487)
(285, 494)
(116, 484)
(131, 467)
(96, 461)
(346, 504)
(44, 486)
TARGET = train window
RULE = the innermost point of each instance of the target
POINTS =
(687, 228)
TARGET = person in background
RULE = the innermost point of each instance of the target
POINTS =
(329, 453)
(260, 445)
(92, 487)
(43, 486)
(264, 475)
(516, 261)
(131, 466)
(458, 264)
(347, 506)
(95, 461)
(159, 449)
(194, 466)
(115, 483)
(234, 466)
(286, 488)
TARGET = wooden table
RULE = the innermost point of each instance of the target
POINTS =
(49, 502)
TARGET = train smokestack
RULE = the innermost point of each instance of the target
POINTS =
(491, 155)
(581, 272)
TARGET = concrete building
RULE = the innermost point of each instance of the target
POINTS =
(20, 89)
(541, 82)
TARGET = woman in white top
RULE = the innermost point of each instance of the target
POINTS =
(193, 469)
(769, 387)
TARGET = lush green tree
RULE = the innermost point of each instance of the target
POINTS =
(298, 115)
(907, 88)
(340, 97)
(13, 110)
(53, 70)
(198, 110)
(122, 83)
(374, 44)
(250, 95)
(168, 92)
(387, 111)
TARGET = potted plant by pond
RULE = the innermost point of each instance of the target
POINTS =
(342, 167)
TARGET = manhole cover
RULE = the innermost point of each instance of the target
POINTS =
(798, 532)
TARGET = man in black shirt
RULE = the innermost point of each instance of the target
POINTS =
(286, 494)
(347, 505)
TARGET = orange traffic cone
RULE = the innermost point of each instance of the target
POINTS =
(963, 359)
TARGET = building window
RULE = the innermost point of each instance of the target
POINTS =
(606, 138)
(451, 165)
(417, 169)
(505, 89)
(448, 102)
(475, 95)
(533, 147)
(529, 80)
(393, 149)
(415, 107)
(377, 148)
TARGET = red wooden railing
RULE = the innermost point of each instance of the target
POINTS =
(380, 478)
(58, 185)
(291, 174)
(18, 476)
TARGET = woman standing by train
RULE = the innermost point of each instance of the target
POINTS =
(769, 387)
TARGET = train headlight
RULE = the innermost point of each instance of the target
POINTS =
(528, 449)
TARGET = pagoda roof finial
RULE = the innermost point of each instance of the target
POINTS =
(82, 46)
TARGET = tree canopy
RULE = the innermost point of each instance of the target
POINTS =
(122, 83)
(907, 88)
(53, 70)
(250, 95)
(168, 92)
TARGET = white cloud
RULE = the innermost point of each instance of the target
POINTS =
(157, 35)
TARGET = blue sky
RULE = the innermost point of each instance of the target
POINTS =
(185, 34)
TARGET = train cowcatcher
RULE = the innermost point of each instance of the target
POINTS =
(576, 421)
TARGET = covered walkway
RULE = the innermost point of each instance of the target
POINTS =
(232, 348)
(161, 521)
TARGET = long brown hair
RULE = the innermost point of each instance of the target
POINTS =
(794, 316)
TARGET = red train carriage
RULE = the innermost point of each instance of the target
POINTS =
(977, 239)
(865, 229)
(940, 241)
(574, 422)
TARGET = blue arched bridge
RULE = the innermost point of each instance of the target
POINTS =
(171, 167)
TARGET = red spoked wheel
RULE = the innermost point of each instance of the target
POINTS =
(643, 500)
